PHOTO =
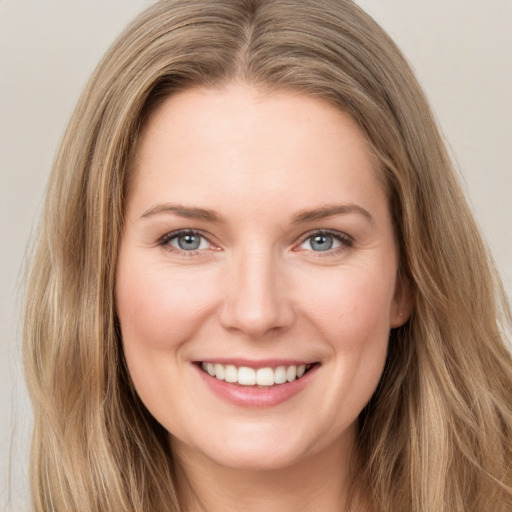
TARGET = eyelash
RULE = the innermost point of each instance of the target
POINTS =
(345, 241)
(167, 238)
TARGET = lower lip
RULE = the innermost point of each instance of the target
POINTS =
(256, 397)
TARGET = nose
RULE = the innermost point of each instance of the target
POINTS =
(257, 300)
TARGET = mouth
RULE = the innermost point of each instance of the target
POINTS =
(264, 377)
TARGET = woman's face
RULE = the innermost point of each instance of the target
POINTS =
(258, 244)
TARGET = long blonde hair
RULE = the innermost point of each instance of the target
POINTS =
(436, 436)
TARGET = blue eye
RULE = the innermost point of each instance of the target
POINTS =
(187, 241)
(322, 242)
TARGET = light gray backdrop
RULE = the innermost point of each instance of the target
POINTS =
(461, 51)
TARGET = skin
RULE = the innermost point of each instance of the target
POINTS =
(257, 289)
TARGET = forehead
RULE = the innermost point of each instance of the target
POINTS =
(235, 139)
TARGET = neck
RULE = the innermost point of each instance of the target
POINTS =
(317, 482)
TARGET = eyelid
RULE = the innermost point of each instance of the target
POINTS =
(164, 240)
(345, 239)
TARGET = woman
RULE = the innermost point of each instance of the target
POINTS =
(258, 284)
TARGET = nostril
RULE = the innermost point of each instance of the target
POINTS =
(256, 302)
(257, 319)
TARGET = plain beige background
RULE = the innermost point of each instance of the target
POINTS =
(461, 51)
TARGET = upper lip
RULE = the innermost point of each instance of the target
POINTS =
(260, 363)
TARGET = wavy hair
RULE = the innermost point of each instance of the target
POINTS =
(436, 435)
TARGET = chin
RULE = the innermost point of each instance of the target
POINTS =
(262, 447)
(256, 458)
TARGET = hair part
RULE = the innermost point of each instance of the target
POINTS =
(436, 434)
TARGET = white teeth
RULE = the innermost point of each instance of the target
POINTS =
(265, 377)
(231, 373)
(280, 375)
(291, 373)
(219, 372)
(246, 376)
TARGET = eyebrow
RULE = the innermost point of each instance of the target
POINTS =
(184, 211)
(329, 211)
(300, 217)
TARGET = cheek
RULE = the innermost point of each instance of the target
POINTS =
(352, 314)
(159, 309)
(352, 308)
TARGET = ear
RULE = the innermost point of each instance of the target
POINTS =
(403, 302)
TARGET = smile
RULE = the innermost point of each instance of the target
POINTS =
(256, 384)
(246, 376)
